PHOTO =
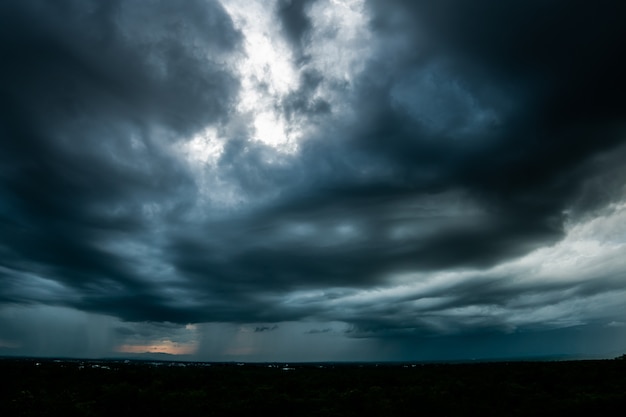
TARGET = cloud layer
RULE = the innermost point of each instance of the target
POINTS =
(346, 170)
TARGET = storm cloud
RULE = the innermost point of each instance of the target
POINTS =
(398, 173)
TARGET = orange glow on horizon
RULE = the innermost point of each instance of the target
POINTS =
(162, 346)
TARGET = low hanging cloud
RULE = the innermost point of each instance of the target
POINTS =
(407, 169)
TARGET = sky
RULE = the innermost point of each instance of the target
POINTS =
(312, 180)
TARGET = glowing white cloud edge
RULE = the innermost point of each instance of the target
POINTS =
(268, 70)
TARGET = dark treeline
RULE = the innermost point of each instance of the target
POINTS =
(116, 388)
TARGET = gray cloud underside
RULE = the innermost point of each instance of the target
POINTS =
(478, 130)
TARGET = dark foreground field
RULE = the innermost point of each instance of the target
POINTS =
(116, 388)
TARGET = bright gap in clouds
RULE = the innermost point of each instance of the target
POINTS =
(267, 73)
(272, 76)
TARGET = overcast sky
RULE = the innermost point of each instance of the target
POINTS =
(306, 180)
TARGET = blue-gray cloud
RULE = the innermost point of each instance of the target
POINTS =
(431, 189)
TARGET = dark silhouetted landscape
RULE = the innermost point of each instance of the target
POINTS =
(35, 387)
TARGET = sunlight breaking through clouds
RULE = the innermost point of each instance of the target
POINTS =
(267, 73)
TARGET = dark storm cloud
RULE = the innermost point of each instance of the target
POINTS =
(318, 331)
(261, 329)
(470, 134)
(558, 62)
(92, 94)
(485, 303)
(303, 101)
(318, 243)
(294, 20)
(520, 97)
(480, 114)
(504, 110)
